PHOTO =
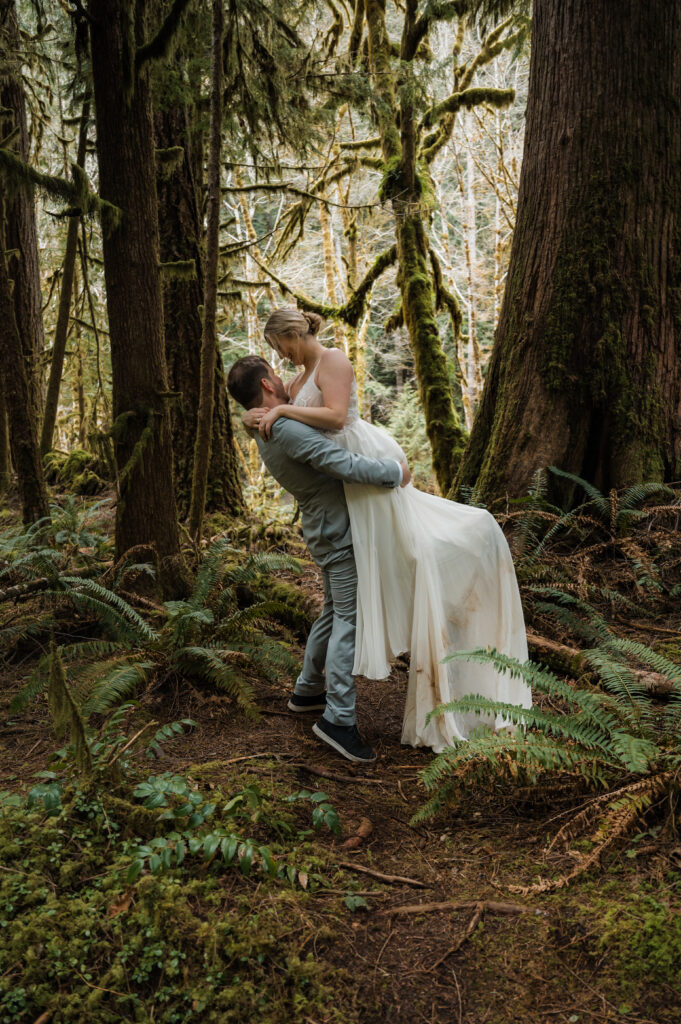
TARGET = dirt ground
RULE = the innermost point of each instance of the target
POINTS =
(490, 958)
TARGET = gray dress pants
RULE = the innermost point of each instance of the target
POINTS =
(330, 646)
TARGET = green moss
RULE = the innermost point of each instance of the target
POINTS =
(446, 436)
(639, 935)
(80, 944)
(595, 293)
(79, 472)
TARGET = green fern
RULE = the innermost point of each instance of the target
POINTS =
(612, 737)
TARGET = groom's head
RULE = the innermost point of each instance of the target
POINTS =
(252, 382)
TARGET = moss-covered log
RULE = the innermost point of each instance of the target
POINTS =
(585, 372)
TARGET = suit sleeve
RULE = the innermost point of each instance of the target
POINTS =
(305, 444)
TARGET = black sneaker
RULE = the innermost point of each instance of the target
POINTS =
(300, 703)
(345, 739)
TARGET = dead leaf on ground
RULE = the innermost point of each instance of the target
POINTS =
(363, 832)
(120, 906)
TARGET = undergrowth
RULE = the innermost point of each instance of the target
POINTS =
(82, 940)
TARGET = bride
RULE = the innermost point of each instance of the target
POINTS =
(433, 576)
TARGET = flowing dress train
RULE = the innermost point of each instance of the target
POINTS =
(434, 576)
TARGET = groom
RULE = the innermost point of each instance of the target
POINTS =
(311, 467)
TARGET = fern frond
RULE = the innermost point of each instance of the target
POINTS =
(35, 685)
(204, 663)
(597, 497)
(101, 593)
(655, 661)
(119, 685)
(209, 573)
(639, 493)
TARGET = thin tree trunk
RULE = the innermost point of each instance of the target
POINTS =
(5, 462)
(180, 227)
(62, 328)
(585, 372)
(209, 338)
(404, 188)
(22, 423)
(146, 510)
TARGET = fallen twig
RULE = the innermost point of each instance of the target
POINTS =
(324, 774)
(485, 906)
(392, 879)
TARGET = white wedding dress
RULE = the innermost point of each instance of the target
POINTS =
(433, 577)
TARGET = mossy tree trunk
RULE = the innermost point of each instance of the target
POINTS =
(146, 511)
(21, 234)
(5, 462)
(180, 227)
(403, 186)
(209, 341)
(585, 372)
(23, 434)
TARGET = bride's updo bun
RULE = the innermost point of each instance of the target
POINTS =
(289, 320)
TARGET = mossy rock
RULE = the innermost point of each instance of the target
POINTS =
(297, 609)
(79, 472)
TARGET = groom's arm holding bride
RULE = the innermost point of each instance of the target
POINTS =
(306, 444)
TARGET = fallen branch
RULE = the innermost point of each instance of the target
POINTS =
(484, 906)
(322, 773)
(571, 661)
(391, 879)
(45, 582)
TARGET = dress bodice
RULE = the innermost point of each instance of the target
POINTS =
(310, 396)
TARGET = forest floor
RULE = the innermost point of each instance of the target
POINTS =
(586, 953)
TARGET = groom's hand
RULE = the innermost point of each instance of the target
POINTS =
(406, 475)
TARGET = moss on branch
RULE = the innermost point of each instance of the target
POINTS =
(466, 100)
(351, 311)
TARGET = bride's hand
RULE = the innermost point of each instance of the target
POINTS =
(269, 417)
(251, 418)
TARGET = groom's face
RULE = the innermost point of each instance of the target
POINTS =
(279, 397)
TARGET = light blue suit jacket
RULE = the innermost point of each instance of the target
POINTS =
(311, 468)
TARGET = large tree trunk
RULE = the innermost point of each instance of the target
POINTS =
(64, 310)
(22, 424)
(585, 372)
(21, 234)
(180, 226)
(146, 511)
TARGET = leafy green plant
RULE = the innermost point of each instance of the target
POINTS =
(323, 811)
(208, 637)
(79, 942)
(615, 741)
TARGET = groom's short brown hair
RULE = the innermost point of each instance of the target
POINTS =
(243, 380)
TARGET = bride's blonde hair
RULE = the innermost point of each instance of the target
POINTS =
(289, 320)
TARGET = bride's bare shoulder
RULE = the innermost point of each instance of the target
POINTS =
(335, 363)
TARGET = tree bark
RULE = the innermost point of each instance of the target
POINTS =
(20, 230)
(403, 186)
(204, 424)
(64, 310)
(146, 510)
(22, 424)
(585, 372)
(180, 227)
(5, 466)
